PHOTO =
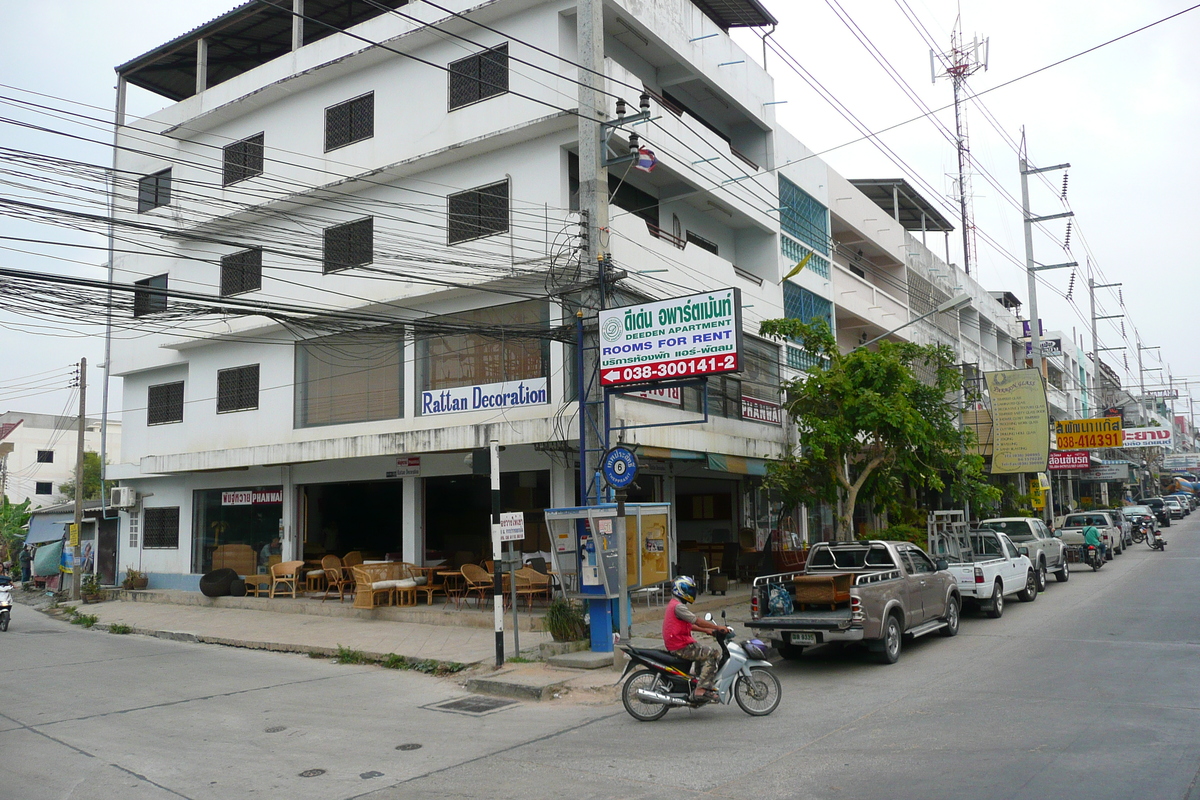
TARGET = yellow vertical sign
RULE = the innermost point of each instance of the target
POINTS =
(74, 535)
(1020, 421)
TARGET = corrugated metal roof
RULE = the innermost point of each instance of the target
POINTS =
(737, 13)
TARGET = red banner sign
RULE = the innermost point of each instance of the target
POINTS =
(1070, 459)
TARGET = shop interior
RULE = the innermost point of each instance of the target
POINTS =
(458, 514)
(362, 515)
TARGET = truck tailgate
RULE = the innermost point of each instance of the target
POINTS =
(806, 620)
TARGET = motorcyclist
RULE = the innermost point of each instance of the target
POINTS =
(1092, 536)
(678, 623)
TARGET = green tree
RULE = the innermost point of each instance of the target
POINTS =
(871, 428)
(13, 518)
(91, 480)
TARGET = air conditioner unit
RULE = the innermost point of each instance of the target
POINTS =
(122, 497)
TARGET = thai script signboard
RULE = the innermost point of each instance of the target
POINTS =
(1071, 459)
(683, 337)
(1149, 437)
(1020, 421)
(1089, 434)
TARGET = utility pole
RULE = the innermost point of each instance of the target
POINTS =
(1171, 397)
(77, 555)
(1031, 269)
(1142, 380)
(497, 554)
(1092, 287)
(962, 61)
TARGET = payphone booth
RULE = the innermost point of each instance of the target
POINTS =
(594, 560)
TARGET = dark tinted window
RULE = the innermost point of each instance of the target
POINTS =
(349, 245)
(164, 403)
(477, 212)
(478, 77)
(241, 272)
(349, 122)
(243, 159)
(161, 531)
(45, 456)
(150, 295)
(237, 388)
(43, 487)
(154, 191)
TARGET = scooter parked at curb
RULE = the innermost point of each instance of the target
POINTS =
(1155, 541)
(6, 601)
(666, 682)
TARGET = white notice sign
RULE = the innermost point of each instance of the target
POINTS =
(512, 526)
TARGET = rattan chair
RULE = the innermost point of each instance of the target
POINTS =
(285, 578)
(532, 584)
(477, 582)
(335, 578)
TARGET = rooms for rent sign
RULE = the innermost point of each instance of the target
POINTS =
(683, 337)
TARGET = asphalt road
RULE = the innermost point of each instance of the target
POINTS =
(1092, 691)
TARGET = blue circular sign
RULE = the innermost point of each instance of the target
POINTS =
(619, 467)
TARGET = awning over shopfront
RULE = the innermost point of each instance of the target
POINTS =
(737, 465)
(47, 528)
(667, 454)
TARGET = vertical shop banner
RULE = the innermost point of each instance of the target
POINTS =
(1020, 421)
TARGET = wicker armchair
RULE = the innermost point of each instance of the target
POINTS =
(477, 582)
(531, 584)
(285, 577)
(335, 578)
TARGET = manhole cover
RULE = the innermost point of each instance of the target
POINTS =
(409, 746)
(275, 729)
(477, 705)
(312, 773)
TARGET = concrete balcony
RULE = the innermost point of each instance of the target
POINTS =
(862, 308)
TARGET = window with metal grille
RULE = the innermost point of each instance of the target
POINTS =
(237, 389)
(154, 191)
(243, 159)
(795, 252)
(43, 487)
(164, 403)
(161, 530)
(802, 217)
(150, 295)
(479, 77)
(45, 457)
(476, 213)
(241, 272)
(349, 245)
(349, 122)
(801, 304)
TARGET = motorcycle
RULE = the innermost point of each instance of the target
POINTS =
(5, 601)
(1087, 554)
(666, 682)
(1155, 541)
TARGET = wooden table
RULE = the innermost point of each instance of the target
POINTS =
(451, 585)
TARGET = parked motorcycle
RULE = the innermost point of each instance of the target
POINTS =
(666, 682)
(5, 601)
(1155, 541)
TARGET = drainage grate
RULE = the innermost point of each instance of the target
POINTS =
(275, 729)
(312, 773)
(366, 776)
(475, 705)
(27, 633)
(409, 746)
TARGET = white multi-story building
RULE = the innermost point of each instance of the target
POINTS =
(37, 454)
(403, 196)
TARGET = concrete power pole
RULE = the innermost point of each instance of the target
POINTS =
(1096, 348)
(77, 555)
(1031, 269)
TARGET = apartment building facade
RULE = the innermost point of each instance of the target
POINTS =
(384, 207)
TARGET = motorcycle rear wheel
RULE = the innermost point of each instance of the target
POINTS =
(638, 708)
(760, 695)
(1139, 536)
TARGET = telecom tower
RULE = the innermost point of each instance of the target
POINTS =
(961, 62)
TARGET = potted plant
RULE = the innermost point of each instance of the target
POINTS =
(134, 579)
(89, 589)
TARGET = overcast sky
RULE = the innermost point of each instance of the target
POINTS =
(1124, 116)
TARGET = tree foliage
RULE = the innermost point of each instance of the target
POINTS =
(91, 480)
(874, 425)
(13, 518)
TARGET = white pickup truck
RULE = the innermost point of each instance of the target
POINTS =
(988, 568)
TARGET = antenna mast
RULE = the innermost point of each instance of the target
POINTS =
(962, 61)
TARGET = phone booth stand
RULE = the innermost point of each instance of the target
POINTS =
(590, 550)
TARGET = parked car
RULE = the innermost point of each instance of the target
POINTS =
(1174, 506)
(1161, 512)
(1047, 553)
(1186, 499)
(1124, 524)
(1139, 514)
(989, 568)
(874, 592)
(1071, 531)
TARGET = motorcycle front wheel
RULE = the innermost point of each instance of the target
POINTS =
(639, 709)
(760, 694)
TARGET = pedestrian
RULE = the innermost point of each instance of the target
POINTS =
(273, 548)
(26, 559)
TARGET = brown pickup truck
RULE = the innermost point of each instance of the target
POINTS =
(873, 592)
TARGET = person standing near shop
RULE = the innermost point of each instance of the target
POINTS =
(26, 559)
